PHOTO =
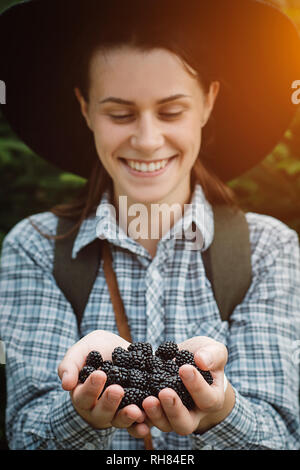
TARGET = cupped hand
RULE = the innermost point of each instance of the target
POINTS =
(168, 413)
(101, 412)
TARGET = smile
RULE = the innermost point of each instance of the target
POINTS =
(152, 167)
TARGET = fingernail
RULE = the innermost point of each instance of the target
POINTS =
(94, 380)
(169, 401)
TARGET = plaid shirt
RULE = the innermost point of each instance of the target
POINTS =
(167, 297)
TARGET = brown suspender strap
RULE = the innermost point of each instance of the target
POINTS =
(112, 283)
(120, 315)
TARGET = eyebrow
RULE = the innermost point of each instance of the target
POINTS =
(112, 99)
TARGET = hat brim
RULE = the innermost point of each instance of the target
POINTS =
(255, 49)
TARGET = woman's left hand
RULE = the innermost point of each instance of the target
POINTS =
(212, 405)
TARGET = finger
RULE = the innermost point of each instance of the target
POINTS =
(156, 414)
(181, 420)
(127, 416)
(139, 431)
(85, 395)
(107, 406)
(205, 396)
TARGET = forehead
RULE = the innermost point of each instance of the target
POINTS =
(130, 72)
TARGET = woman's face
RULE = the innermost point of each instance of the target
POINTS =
(146, 111)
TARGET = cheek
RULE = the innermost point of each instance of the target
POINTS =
(107, 138)
(189, 140)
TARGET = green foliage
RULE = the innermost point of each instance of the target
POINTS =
(28, 184)
(273, 186)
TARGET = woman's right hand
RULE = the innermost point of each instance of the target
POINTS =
(102, 413)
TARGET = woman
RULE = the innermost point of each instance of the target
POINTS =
(112, 92)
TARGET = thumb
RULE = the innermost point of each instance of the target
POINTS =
(68, 375)
(70, 366)
(211, 356)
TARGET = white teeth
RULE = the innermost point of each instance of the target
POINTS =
(144, 167)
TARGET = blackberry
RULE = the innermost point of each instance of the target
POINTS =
(121, 357)
(153, 363)
(117, 375)
(167, 350)
(84, 373)
(169, 382)
(145, 348)
(137, 360)
(184, 357)
(138, 379)
(206, 375)
(156, 381)
(106, 366)
(186, 399)
(177, 385)
(132, 396)
(170, 366)
(94, 359)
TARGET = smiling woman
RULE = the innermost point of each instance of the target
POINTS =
(161, 103)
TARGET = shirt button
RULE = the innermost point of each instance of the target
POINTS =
(156, 276)
(89, 446)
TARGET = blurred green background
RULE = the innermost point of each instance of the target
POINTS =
(29, 185)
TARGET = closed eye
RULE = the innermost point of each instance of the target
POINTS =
(127, 117)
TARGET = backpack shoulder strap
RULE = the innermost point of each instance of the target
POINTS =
(227, 262)
(75, 277)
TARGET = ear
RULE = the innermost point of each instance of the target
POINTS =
(83, 106)
(210, 100)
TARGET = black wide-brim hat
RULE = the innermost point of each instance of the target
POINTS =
(251, 46)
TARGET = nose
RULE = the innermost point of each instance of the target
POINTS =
(147, 136)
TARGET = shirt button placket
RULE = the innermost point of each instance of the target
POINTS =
(155, 312)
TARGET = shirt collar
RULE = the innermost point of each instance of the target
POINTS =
(196, 227)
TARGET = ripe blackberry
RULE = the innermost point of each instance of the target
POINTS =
(106, 366)
(153, 363)
(117, 375)
(186, 399)
(121, 357)
(84, 373)
(145, 348)
(170, 366)
(167, 350)
(132, 396)
(138, 379)
(137, 360)
(177, 385)
(206, 375)
(156, 381)
(94, 359)
(184, 357)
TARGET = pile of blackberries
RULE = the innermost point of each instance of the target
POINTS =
(142, 373)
